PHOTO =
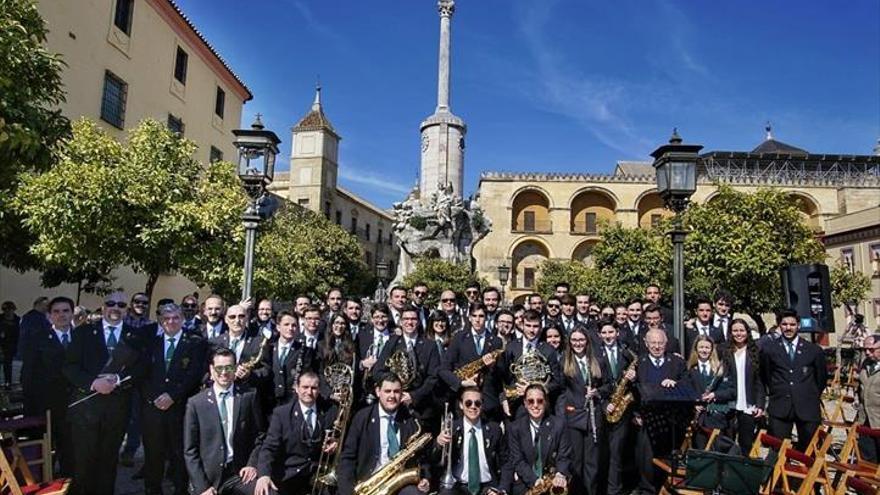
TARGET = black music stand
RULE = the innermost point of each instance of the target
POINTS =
(667, 413)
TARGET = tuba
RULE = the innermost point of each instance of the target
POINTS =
(393, 476)
(620, 397)
(340, 377)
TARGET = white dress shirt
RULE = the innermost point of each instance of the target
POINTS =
(304, 409)
(229, 402)
(383, 436)
(213, 330)
(173, 338)
(239, 346)
(59, 334)
(739, 358)
(117, 332)
(462, 471)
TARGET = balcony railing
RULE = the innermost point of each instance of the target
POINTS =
(536, 227)
(585, 229)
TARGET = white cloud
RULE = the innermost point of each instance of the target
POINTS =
(374, 182)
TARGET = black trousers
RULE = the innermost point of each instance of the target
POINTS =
(745, 431)
(781, 427)
(163, 441)
(97, 427)
(617, 435)
(869, 447)
(584, 460)
(231, 484)
(462, 489)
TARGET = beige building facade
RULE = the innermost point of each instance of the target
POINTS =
(853, 239)
(538, 216)
(312, 183)
(128, 60)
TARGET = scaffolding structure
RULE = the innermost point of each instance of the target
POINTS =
(791, 169)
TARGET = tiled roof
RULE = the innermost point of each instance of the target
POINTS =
(778, 147)
(208, 45)
(637, 169)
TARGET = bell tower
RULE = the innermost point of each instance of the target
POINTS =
(313, 160)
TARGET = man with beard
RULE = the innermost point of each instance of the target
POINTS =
(190, 307)
(333, 303)
(354, 311)
(418, 296)
(214, 326)
(491, 299)
(264, 323)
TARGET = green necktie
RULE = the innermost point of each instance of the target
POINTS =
(790, 350)
(391, 432)
(111, 340)
(539, 463)
(284, 349)
(612, 362)
(473, 463)
(583, 370)
(233, 346)
(705, 368)
(224, 415)
(169, 353)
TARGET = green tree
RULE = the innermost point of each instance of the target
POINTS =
(578, 275)
(848, 287)
(740, 241)
(440, 275)
(627, 260)
(30, 122)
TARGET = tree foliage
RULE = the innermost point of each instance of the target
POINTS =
(440, 275)
(740, 241)
(30, 122)
(149, 205)
(848, 287)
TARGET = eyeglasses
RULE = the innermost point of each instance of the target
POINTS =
(473, 403)
(409, 318)
(140, 301)
(189, 306)
(553, 306)
(420, 293)
(539, 401)
(115, 304)
(607, 315)
(471, 292)
(448, 300)
(236, 317)
(226, 368)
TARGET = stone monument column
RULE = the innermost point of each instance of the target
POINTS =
(442, 134)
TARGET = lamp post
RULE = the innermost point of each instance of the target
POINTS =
(382, 275)
(503, 277)
(257, 149)
(675, 165)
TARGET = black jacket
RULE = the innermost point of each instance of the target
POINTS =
(204, 445)
(288, 451)
(462, 350)
(280, 375)
(794, 387)
(184, 374)
(494, 448)
(521, 454)
(422, 388)
(87, 357)
(43, 382)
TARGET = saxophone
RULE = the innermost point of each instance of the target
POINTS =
(340, 376)
(251, 363)
(391, 477)
(474, 367)
(545, 485)
(621, 398)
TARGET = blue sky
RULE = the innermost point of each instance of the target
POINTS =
(555, 85)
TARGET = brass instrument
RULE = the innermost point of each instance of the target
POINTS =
(340, 377)
(531, 368)
(251, 363)
(545, 485)
(448, 481)
(474, 367)
(402, 365)
(621, 398)
(391, 477)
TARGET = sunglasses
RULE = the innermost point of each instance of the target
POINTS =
(607, 315)
(420, 293)
(141, 301)
(471, 292)
(553, 306)
(473, 403)
(236, 317)
(447, 300)
(227, 368)
(189, 306)
(532, 402)
(115, 304)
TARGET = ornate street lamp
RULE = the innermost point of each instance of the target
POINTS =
(675, 165)
(503, 277)
(382, 275)
(257, 149)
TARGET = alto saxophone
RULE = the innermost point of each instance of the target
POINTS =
(474, 367)
(251, 363)
(393, 476)
(545, 485)
(621, 399)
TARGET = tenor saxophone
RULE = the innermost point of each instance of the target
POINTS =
(621, 398)
(251, 363)
(545, 485)
(393, 476)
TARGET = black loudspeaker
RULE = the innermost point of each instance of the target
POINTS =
(807, 290)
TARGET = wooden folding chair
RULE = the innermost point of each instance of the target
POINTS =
(851, 457)
(852, 483)
(16, 477)
(676, 477)
(792, 466)
(38, 448)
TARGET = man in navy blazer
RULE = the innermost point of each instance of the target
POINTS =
(794, 372)
(100, 356)
(292, 449)
(223, 431)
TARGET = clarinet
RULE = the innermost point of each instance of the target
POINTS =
(592, 407)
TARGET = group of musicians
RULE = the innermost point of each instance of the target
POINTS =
(471, 398)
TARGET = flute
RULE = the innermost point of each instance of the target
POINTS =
(592, 406)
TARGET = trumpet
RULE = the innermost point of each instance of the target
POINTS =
(448, 481)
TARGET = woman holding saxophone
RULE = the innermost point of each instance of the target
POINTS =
(585, 388)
